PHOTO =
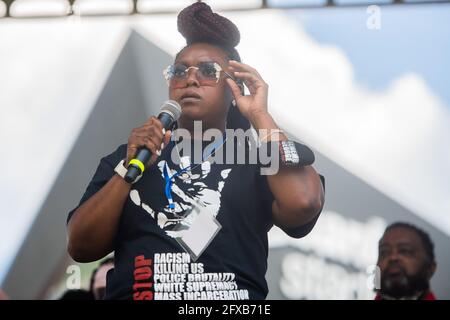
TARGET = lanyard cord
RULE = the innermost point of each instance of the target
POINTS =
(168, 180)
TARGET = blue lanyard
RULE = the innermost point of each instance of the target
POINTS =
(169, 180)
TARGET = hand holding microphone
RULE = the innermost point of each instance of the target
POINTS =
(146, 142)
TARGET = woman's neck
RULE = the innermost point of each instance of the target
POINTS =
(197, 129)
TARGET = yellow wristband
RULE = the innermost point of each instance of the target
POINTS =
(138, 163)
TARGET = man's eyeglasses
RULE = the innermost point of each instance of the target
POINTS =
(208, 74)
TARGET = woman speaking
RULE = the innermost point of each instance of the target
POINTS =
(196, 229)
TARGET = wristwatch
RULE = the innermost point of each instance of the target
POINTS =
(122, 171)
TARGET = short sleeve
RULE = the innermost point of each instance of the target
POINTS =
(302, 231)
(102, 175)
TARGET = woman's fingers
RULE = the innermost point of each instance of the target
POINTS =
(257, 100)
(239, 66)
(251, 77)
(150, 135)
(251, 81)
(235, 90)
(166, 140)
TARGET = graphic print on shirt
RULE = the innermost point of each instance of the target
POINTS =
(173, 276)
(187, 188)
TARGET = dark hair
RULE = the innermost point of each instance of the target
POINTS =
(102, 263)
(424, 237)
(198, 24)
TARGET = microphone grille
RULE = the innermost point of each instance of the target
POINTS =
(173, 108)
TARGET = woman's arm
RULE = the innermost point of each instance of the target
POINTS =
(298, 192)
(93, 226)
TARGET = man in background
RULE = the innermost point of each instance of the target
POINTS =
(98, 278)
(407, 263)
(3, 295)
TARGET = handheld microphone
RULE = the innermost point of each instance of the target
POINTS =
(170, 112)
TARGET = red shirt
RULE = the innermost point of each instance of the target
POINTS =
(429, 296)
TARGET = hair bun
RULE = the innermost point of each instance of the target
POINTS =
(197, 23)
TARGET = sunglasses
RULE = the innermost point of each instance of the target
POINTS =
(207, 73)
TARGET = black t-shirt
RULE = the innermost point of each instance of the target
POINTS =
(151, 264)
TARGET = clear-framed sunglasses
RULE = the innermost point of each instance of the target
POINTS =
(208, 74)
